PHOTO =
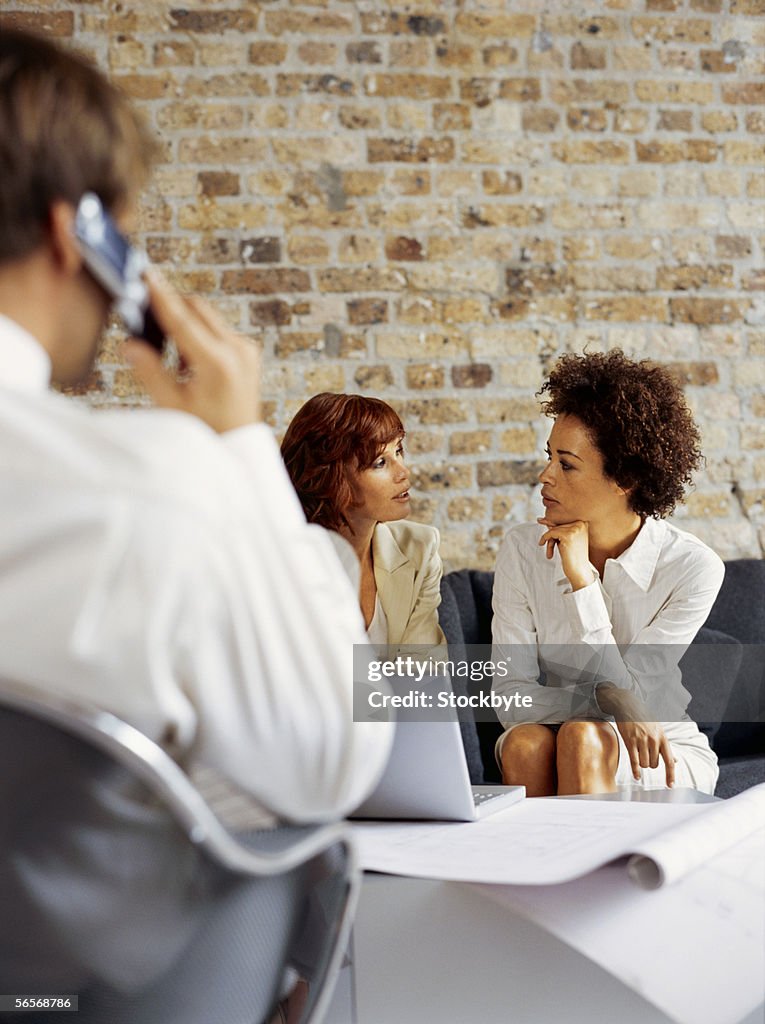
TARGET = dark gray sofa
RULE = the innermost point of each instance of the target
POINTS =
(724, 670)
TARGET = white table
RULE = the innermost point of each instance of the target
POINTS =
(430, 951)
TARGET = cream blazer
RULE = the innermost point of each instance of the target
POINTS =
(408, 576)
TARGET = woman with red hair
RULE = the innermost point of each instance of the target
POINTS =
(345, 457)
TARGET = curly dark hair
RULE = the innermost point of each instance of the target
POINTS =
(637, 417)
(330, 438)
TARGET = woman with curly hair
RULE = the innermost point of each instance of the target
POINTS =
(345, 457)
(603, 596)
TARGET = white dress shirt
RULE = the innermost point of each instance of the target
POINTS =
(167, 574)
(630, 628)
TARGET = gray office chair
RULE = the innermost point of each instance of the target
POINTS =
(119, 885)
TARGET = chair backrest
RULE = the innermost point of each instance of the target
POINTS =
(119, 884)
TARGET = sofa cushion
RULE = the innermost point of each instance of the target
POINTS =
(738, 774)
(710, 668)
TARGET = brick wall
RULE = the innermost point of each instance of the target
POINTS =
(429, 201)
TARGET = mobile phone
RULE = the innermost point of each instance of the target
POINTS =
(118, 267)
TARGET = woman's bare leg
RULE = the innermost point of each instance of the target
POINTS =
(587, 756)
(528, 759)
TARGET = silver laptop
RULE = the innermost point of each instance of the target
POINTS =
(427, 778)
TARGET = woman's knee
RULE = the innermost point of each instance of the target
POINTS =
(528, 743)
(587, 740)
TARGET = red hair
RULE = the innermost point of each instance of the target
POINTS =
(330, 438)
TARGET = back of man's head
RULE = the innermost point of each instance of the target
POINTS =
(64, 130)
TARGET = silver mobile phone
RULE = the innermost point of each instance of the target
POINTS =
(118, 267)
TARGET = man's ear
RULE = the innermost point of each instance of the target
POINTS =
(64, 246)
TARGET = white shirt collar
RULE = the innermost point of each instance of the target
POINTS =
(24, 363)
(641, 557)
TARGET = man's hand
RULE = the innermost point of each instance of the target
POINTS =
(573, 543)
(221, 379)
(645, 741)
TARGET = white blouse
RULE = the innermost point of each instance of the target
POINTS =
(631, 628)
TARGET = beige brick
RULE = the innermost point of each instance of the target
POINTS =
(408, 117)
(288, 84)
(746, 215)
(244, 85)
(507, 410)
(449, 247)
(221, 151)
(626, 308)
(573, 216)
(631, 58)
(431, 345)
(367, 311)
(469, 442)
(733, 246)
(693, 278)
(456, 182)
(653, 91)
(496, 26)
(631, 120)
(361, 279)
(594, 182)
(744, 152)
(502, 342)
(477, 278)
(691, 248)
(419, 309)
(309, 116)
(314, 52)
(708, 311)
(291, 343)
(338, 151)
(358, 117)
(324, 378)
(515, 215)
(585, 151)
(409, 181)
(54, 23)
(689, 30)
(597, 27)
(663, 216)
(441, 476)
(722, 182)
(420, 87)
(587, 277)
(501, 473)
(306, 249)
(423, 150)
(425, 376)
(567, 91)
(554, 307)
(518, 441)
(630, 247)
(581, 247)
(719, 120)
(466, 509)
(751, 92)
(511, 507)
(539, 119)
(267, 52)
(704, 504)
(410, 52)
(307, 23)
